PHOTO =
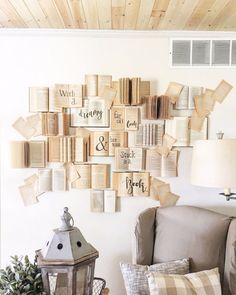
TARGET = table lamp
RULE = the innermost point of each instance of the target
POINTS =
(214, 165)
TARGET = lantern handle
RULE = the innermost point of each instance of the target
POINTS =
(67, 220)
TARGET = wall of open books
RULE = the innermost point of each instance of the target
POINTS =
(71, 125)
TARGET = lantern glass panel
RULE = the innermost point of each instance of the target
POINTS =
(82, 280)
(58, 283)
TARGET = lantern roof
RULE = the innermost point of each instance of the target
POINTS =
(67, 244)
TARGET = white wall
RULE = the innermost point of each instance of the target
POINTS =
(30, 58)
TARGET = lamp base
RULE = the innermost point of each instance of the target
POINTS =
(228, 196)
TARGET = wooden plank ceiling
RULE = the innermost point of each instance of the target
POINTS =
(209, 15)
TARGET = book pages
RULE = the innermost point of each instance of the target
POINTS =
(84, 173)
(196, 122)
(45, 180)
(132, 118)
(63, 124)
(53, 101)
(122, 183)
(109, 201)
(19, 154)
(27, 192)
(38, 99)
(153, 162)
(109, 95)
(169, 167)
(200, 106)
(199, 135)
(173, 91)
(68, 95)
(115, 85)
(34, 180)
(100, 176)
(158, 188)
(104, 82)
(99, 143)
(80, 149)
(169, 199)
(221, 91)
(140, 183)
(35, 122)
(97, 112)
(71, 173)
(55, 146)
(122, 159)
(117, 139)
(59, 179)
(209, 100)
(182, 101)
(168, 142)
(97, 201)
(194, 91)
(117, 118)
(26, 130)
(178, 129)
(37, 154)
(50, 124)
(91, 82)
(145, 88)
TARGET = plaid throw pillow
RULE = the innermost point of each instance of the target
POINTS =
(135, 279)
(201, 283)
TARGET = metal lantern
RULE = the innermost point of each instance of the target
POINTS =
(67, 262)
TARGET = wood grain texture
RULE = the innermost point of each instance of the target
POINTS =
(211, 15)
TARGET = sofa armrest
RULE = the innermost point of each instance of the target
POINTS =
(143, 241)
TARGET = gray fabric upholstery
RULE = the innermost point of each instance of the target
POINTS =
(172, 233)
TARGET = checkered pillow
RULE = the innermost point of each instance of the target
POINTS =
(135, 279)
(201, 283)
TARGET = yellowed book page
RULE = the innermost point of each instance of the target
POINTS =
(141, 185)
(182, 101)
(117, 118)
(122, 158)
(27, 192)
(193, 91)
(71, 172)
(158, 188)
(80, 149)
(136, 159)
(145, 87)
(169, 167)
(33, 179)
(109, 95)
(38, 99)
(91, 82)
(200, 106)
(100, 176)
(109, 201)
(221, 91)
(53, 101)
(75, 97)
(45, 180)
(50, 124)
(35, 122)
(132, 118)
(104, 81)
(55, 149)
(173, 91)
(123, 183)
(63, 123)
(84, 180)
(116, 86)
(26, 130)
(153, 162)
(82, 132)
(178, 129)
(117, 139)
(199, 135)
(97, 201)
(209, 101)
(97, 113)
(196, 122)
(19, 154)
(59, 179)
(37, 154)
(169, 199)
(168, 142)
(99, 143)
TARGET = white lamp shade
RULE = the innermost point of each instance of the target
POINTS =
(214, 163)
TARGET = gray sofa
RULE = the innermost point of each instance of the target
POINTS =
(208, 238)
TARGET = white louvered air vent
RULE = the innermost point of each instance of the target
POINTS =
(181, 53)
(205, 53)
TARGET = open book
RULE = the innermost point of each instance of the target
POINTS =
(96, 84)
(95, 176)
(94, 113)
(156, 107)
(160, 166)
(103, 143)
(68, 95)
(130, 159)
(149, 134)
(103, 201)
(178, 128)
(128, 184)
(125, 118)
(186, 98)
